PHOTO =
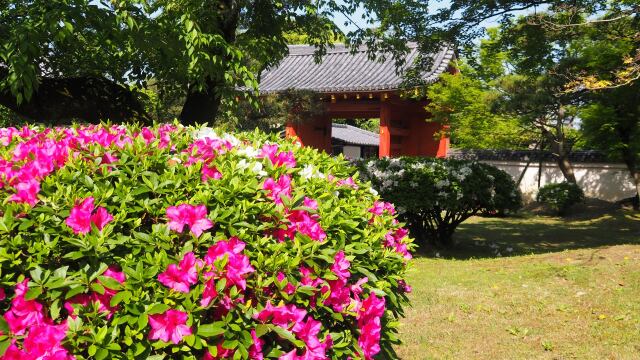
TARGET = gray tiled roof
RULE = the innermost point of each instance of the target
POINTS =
(354, 135)
(342, 71)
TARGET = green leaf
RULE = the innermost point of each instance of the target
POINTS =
(4, 345)
(33, 293)
(109, 282)
(54, 309)
(97, 288)
(209, 330)
(286, 334)
(158, 309)
(74, 291)
(120, 297)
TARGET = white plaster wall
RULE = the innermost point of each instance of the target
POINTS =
(351, 152)
(610, 182)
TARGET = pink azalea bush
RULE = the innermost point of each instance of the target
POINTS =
(173, 242)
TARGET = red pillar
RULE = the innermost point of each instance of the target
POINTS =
(384, 147)
(443, 145)
(315, 133)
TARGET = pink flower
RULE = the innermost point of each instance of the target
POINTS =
(180, 277)
(277, 159)
(2, 294)
(108, 158)
(307, 331)
(369, 339)
(393, 239)
(81, 217)
(307, 280)
(379, 207)
(340, 266)
(269, 151)
(44, 342)
(237, 265)
(113, 272)
(185, 214)
(100, 218)
(404, 286)
(279, 188)
(289, 288)
(169, 326)
(26, 192)
(210, 173)
(348, 182)
(310, 203)
(23, 313)
(340, 295)
(369, 315)
(282, 316)
(306, 224)
(209, 293)
(221, 353)
(285, 158)
(255, 350)
(103, 300)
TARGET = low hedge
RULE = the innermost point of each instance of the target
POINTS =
(560, 197)
(434, 196)
(168, 242)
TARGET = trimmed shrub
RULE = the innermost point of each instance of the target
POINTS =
(560, 197)
(434, 196)
(122, 243)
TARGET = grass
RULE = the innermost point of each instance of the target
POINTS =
(529, 288)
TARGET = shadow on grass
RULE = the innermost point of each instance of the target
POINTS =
(500, 237)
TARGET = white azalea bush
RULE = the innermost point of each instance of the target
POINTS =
(178, 243)
(434, 196)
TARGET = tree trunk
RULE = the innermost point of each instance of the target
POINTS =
(202, 105)
(557, 143)
(86, 98)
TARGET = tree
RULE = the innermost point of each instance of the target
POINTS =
(513, 94)
(611, 113)
(81, 59)
(465, 103)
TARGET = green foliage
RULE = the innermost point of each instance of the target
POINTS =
(272, 111)
(434, 196)
(465, 103)
(560, 197)
(137, 188)
(182, 47)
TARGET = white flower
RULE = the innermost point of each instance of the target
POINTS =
(231, 139)
(254, 167)
(249, 152)
(309, 172)
(204, 133)
(257, 168)
(373, 191)
(243, 164)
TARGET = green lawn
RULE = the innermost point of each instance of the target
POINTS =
(529, 288)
